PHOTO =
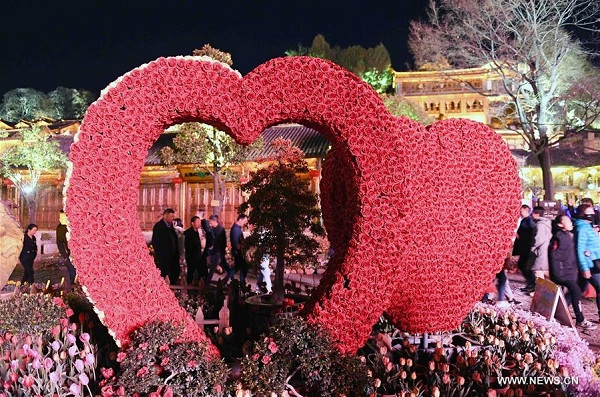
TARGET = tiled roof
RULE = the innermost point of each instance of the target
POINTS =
(6, 125)
(153, 154)
(310, 141)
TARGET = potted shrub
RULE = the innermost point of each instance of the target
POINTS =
(284, 214)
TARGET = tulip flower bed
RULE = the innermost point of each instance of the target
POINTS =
(547, 358)
(54, 356)
(47, 355)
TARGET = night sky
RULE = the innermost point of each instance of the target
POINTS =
(79, 44)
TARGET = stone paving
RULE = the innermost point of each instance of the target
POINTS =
(50, 270)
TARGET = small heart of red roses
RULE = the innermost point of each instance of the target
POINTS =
(419, 219)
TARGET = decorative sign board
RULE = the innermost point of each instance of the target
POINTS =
(549, 301)
(551, 208)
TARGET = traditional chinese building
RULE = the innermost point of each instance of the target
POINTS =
(474, 93)
(183, 187)
(477, 94)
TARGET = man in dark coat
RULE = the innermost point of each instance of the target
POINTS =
(195, 254)
(166, 250)
(236, 237)
(522, 247)
(63, 246)
(563, 266)
(216, 243)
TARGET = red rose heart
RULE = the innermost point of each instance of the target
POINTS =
(395, 195)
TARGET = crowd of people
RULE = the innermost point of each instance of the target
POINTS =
(566, 250)
(200, 249)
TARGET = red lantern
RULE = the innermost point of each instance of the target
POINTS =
(58, 182)
(8, 182)
(314, 173)
(177, 180)
(244, 179)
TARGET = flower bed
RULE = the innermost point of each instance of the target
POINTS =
(47, 356)
(56, 357)
(505, 343)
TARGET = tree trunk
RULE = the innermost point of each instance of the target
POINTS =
(30, 200)
(216, 190)
(547, 181)
(278, 289)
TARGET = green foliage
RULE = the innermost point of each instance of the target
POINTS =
(300, 50)
(30, 314)
(298, 353)
(373, 65)
(210, 149)
(35, 153)
(320, 48)
(26, 104)
(283, 211)
(30, 104)
(69, 103)
(399, 106)
(214, 53)
(202, 144)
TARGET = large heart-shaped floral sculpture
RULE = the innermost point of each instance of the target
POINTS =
(419, 219)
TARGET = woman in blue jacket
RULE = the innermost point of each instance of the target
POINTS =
(588, 250)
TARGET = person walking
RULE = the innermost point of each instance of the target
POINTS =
(194, 252)
(216, 242)
(236, 237)
(563, 266)
(588, 250)
(542, 234)
(28, 253)
(522, 247)
(166, 247)
(63, 246)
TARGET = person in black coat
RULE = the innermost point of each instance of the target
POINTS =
(236, 238)
(195, 254)
(63, 246)
(216, 243)
(563, 265)
(166, 247)
(28, 253)
(522, 247)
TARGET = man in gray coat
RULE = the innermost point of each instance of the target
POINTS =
(542, 234)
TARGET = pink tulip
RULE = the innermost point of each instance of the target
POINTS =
(75, 389)
(79, 365)
(48, 363)
(83, 378)
(28, 381)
